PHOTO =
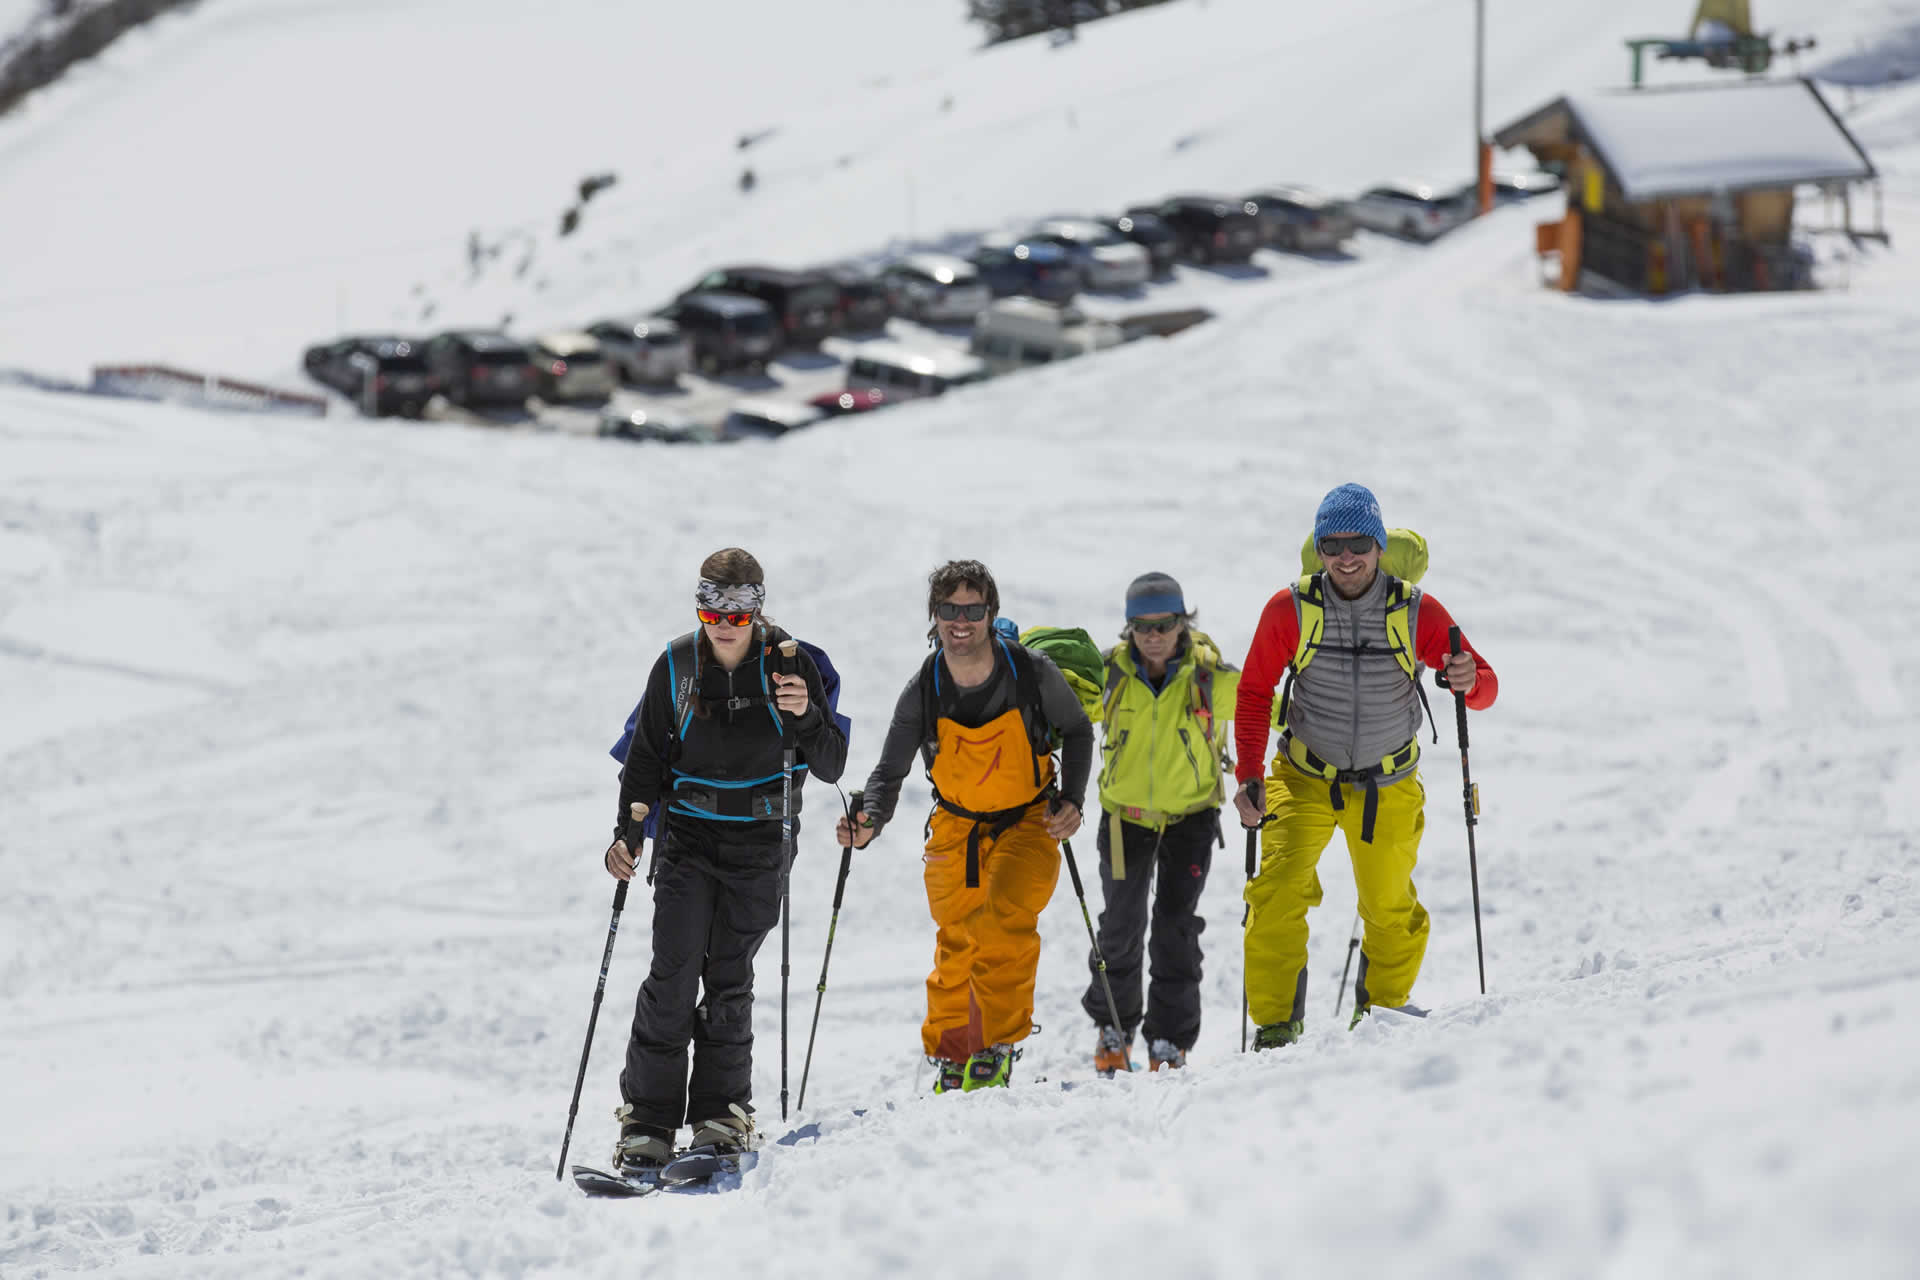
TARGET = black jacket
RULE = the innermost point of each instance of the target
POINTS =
(726, 747)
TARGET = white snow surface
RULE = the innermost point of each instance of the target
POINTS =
(304, 785)
(1721, 138)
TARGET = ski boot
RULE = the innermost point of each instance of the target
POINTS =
(642, 1150)
(991, 1068)
(948, 1076)
(1360, 1011)
(1277, 1034)
(730, 1134)
(1165, 1053)
(1112, 1052)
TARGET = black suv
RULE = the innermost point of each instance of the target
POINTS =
(383, 374)
(729, 330)
(481, 366)
(1209, 229)
(806, 304)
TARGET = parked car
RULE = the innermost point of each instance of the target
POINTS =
(1029, 268)
(382, 374)
(935, 288)
(864, 307)
(1414, 210)
(1106, 259)
(1015, 333)
(1209, 229)
(644, 348)
(853, 400)
(482, 366)
(571, 366)
(1150, 233)
(648, 424)
(767, 419)
(729, 331)
(905, 374)
(806, 304)
(1301, 219)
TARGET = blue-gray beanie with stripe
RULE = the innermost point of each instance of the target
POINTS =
(1351, 508)
(1154, 593)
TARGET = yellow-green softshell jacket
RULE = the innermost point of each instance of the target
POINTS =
(1161, 756)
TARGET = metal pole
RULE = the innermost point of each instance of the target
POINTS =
(1480, 175)
(599, 990)
(1099, 961)
(1470, 799)
(789, 759)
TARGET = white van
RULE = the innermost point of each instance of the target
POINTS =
(904, 373)
(1014, 333)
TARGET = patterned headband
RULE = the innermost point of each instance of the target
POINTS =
(736, 597)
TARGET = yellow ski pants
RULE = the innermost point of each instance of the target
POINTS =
(1303, 823)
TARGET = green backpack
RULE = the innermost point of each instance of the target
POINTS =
(1078, 658)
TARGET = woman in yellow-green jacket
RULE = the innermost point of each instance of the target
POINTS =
(1160, 791)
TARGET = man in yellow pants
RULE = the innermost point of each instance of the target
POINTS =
(985, 715)
(1352, 641)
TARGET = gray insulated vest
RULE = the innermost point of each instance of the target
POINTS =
(1353, 705)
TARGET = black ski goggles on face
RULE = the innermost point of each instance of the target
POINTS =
(1156, 626)
(1357, 545)
(950, 612)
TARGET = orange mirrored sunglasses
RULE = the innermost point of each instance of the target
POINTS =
(731, 619)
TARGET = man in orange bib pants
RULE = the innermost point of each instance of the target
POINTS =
(985, 714)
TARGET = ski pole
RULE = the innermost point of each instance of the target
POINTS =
(833, 923)
(599, 990)
(788, 758)
(1470, 797)
(1100, 961)
(1353, 942)
(1246, 914)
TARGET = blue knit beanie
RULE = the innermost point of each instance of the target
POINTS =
(1351, 508)
(1154, 593)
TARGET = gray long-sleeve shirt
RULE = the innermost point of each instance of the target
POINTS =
(975, 707)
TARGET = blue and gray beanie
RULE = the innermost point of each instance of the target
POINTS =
(1154, 593)
(1351, 508)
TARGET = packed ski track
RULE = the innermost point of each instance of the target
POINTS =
(304, 786)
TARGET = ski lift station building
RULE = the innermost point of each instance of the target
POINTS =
(1691, 187)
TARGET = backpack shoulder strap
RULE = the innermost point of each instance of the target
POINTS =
(683, 677)
(930, 700)
(1403, 615)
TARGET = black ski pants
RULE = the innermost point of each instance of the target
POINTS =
(712, 907)
(1174, 863)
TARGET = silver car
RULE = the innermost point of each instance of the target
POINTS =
(645, 348)
(1107, 259)
(571, 366)
(935, 287)
(1414, 210)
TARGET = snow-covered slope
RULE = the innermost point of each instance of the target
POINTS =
(303, 789)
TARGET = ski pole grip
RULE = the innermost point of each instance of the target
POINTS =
(619, 896)
(1453, 640)
(789, 648)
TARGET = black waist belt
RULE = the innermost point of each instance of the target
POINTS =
(1368, 777)
(995, 823)
(734, 804)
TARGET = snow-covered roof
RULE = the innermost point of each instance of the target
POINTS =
(1658, 143)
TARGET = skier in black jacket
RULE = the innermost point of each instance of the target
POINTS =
(708, 745)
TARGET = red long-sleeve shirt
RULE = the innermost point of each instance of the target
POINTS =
(1274, 641)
